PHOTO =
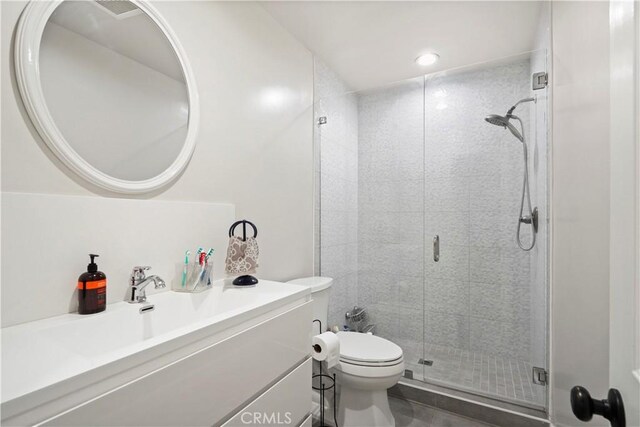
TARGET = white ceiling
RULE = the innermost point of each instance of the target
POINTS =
(372, 43)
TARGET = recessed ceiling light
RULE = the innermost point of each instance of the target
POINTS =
(427, 59)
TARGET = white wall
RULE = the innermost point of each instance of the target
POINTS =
(580, 205)
(254, 145)
(46, 239)
(624, 255)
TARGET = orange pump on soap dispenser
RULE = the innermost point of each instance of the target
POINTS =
(92, 289)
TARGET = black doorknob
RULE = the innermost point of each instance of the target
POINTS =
(612, 408)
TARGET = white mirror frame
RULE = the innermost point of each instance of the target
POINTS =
(26, 57)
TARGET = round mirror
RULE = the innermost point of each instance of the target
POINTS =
(108, 87)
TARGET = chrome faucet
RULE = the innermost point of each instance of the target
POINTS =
(138, 282)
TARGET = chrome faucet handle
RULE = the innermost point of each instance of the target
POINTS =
(138, 273)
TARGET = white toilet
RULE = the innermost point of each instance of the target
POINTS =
(368, 366)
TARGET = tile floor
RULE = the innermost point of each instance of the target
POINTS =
(504, 378)
(412, 414)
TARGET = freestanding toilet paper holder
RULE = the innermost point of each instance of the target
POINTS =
(322, 387)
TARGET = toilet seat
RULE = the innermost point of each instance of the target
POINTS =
(372, 364)
(369, 355)
(368, 350)
(371, 372)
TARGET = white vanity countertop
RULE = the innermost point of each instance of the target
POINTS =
(39, 354)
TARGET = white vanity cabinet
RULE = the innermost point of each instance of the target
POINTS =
(257, 371)
(282, 404)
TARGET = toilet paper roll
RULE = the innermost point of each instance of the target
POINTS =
(326, 348)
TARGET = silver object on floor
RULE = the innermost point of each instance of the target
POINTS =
(532, 217)
(425, 362)
(357, 318)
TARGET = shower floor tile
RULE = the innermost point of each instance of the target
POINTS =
(496, 376)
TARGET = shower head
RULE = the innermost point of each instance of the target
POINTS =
(503, 121)
(497, 120)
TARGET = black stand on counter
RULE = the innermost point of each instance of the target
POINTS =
(245, 280)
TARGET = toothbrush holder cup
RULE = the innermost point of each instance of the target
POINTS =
(192, 277)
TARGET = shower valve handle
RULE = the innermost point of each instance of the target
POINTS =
(436, 248)
(531, 219)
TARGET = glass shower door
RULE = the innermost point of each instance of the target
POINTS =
(485, 297)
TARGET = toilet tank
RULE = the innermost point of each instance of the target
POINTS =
(320, 288)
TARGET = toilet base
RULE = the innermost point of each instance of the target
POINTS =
(364, 408)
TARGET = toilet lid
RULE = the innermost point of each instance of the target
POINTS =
(357, 347)
(316, 283)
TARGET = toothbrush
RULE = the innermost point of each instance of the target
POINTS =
(185, 268)
(197, 281)
(205, 262)
(200, 260)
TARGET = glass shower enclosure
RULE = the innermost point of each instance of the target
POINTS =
(418, 203)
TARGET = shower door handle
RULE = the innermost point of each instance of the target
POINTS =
(436, 248)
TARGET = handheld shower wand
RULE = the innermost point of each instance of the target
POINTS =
(532, 217)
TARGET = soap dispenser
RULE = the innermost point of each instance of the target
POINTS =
(92, 289)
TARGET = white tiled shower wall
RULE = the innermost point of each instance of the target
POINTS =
(336, 189)
(429, 164)
(478, 295)
(391, 212)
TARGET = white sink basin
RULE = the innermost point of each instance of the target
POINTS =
(39, 354)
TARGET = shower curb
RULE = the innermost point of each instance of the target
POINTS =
(483, 412)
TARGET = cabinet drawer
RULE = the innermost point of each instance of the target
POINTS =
(203, 388)
(287, 402)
